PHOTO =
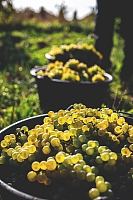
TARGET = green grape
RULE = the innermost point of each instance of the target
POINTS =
(105, 156)
(90, 177)
(77, 167)
(111, 161)
(64, 173)
(76, 143)
(99, 178)
(101, 186)
(82, 138)
(82, 162)
(72, 174)
(23, 137)
(98, 160)
(101, 148)
(84, 146)
(95, 170)
(109, 193)
(32, 176)
(60, 157)
(93, 193)
(87, 168)
(67, 161)
(109, 186)
(90, 151)
(113, 155)
(80, 156)
(81, 175)
(91, 143)
(2, 160)
(74, 159)
(31, 157)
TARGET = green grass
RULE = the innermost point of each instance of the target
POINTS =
(23, 46)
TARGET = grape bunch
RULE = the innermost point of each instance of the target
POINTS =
(78, 153)
(73, 70)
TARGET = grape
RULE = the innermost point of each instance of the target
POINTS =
(105, 156)
(4, 143)
(24, 154)
(31, 176)
(93, 193)
(74, 159)
(85, 148)
(90, 151)
(81, 175)
(60, 157)
(35, 166)
(31, 157)
(101, 186)
(87, 168)
(77, 167)
(82, 138)
(55, 142)
(51, 164)
(64, 173)
(43, 165)
(99, 178)
(46, 149)
(90, 176)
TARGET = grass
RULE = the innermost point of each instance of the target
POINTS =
(24, 45)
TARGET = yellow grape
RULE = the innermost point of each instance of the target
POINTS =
(32, 176)
(35, 166)
(60, 157)
(51, 164)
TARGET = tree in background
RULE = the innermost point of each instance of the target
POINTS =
(6, 11)
(62, 12)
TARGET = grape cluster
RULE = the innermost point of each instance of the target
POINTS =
(79, 153)
(82, 47)
(73, 70)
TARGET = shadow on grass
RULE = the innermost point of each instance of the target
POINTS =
(11, 55)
